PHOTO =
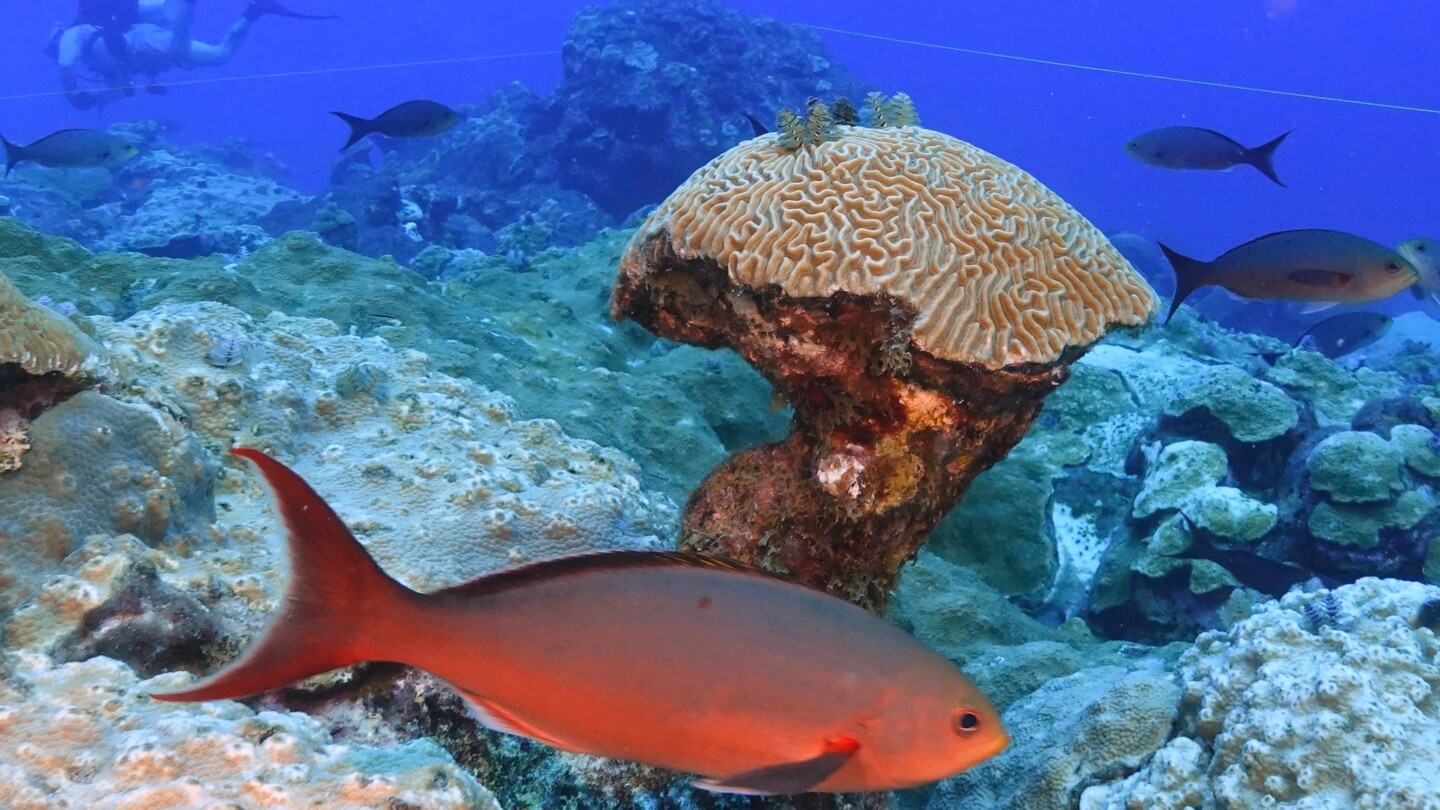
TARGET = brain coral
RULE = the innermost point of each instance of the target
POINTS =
(36, 341)
(999, 270)
(1320, 700)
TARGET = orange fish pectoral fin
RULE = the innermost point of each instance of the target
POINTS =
(492, 716)
(791, 777)
(1313, 277)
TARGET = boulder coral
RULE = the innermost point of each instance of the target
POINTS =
(913, 297)
(1322, 699)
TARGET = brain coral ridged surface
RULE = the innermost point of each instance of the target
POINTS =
(1000, 270)
(40, 341)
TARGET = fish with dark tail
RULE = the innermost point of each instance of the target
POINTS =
(410, 119)
(1339, 335)
(71, 149)
(1206, 149)
(1320, 267)
(683, 661)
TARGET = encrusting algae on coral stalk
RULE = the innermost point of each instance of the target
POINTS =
(914, 297)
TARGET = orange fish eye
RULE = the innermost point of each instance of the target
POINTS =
(967, 721)
(1393, 267)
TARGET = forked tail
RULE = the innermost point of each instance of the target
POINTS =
(359, 127)
(1190, 275)
(1262, 157)
(337, 601)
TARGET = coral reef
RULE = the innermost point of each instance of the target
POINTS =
(97, 465)
(878, 450)
(87, 734)
(446, 484)
(1070, 733)
(1285, 711)
(622, 387)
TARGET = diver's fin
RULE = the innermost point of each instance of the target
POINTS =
(1190, 275)
(790, 778)
(359, 127)
(1262, 157)
(759, 128)
(13, 154)
(260, 8)
(331, 608)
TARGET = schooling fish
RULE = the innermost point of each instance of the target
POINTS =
(1321, 267)
(1425, 255)
(1196, 148)
(71, 148)
(410, 119)
(1339, 335)
(683, 661)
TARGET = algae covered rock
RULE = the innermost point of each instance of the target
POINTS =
(1356, 467)
(1252, 410)
(1419, 446)
(1184, 478)
(1360, 525)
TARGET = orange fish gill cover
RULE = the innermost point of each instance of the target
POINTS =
(682, 661)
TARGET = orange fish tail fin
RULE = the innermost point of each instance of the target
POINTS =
(1190, 275)
(1262, 157)
(359, 127)
(334, 586)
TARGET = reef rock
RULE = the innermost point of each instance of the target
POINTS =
(1322, 699)
(87, 734)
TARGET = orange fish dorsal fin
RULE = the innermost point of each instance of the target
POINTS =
(588, 562)
(791, 777)
(492, 716)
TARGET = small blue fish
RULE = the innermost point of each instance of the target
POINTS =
(1197, 148)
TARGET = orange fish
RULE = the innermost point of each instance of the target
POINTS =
(682, 661)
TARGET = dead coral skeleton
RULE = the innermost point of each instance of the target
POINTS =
(13, 441)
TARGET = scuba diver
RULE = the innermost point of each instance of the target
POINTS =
(111, 40)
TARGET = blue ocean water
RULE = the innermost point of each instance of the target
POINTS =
(1365, 169)
(1186, 480)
